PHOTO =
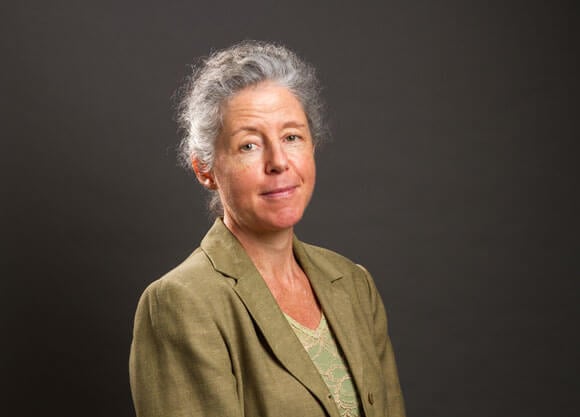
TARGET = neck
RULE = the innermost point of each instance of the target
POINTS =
(271, 252)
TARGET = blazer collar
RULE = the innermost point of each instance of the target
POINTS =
(229, 258)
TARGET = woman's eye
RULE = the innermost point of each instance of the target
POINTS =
(248, 147)
(292, 138)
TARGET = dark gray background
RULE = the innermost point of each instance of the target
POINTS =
(451, 176)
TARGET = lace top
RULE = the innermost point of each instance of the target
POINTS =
(324, 352)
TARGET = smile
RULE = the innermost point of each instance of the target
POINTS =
(280, 192)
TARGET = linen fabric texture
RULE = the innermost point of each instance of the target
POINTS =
(210, 340)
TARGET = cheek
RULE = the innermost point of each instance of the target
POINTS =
(308, 167)
(236, 180)
(303, 158)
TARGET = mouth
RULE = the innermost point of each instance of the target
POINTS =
(281, 192)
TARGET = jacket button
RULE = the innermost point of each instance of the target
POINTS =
(371, 398)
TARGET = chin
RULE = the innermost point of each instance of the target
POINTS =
(286, 219)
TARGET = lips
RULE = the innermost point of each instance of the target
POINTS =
(279, 192)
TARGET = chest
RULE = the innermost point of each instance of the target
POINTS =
(297, 299)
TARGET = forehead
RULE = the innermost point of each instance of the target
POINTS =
(265, 101)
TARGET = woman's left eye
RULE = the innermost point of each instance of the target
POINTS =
(292, 138)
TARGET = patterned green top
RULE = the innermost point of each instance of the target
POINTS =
(324, 352)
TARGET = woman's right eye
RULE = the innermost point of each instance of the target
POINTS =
(248, 147)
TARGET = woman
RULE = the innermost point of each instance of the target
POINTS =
(255, 322)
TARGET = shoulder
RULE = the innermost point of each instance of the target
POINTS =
(331, 258)
(193, 297)
(352, 274)
(194, 279)
(351, 279)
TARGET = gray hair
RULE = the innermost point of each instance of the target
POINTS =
(224, 73)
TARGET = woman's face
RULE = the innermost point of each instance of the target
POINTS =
(264, 167)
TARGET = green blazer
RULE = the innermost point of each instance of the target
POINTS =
(210, 340)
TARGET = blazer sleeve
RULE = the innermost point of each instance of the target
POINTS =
(396, 406)
(179, 363)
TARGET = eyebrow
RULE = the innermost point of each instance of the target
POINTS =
(244, 129)
(255, 129)
(293, 124)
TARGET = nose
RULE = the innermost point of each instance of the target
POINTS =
(276, 159)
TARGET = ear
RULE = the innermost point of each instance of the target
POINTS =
(204, 176)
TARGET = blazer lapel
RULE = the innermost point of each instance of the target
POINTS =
(228, 257)
(336, 306)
